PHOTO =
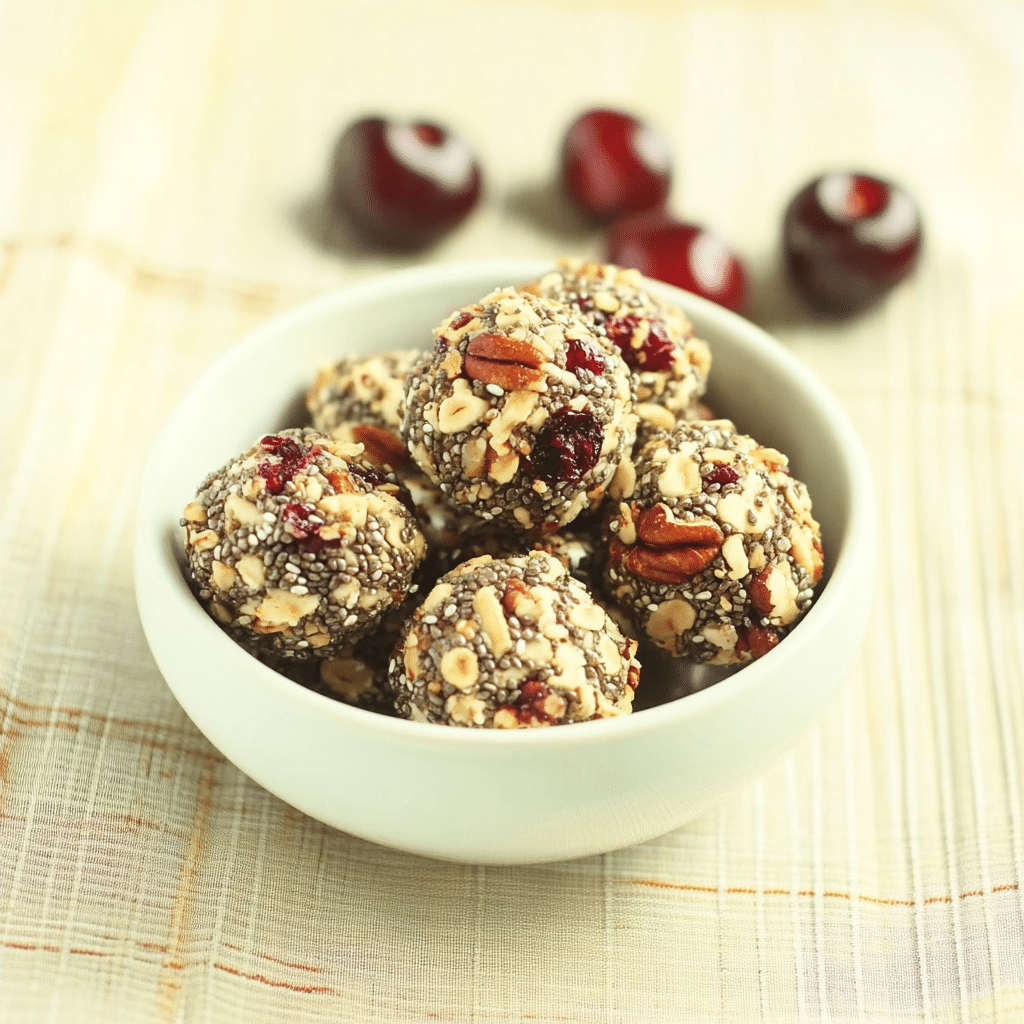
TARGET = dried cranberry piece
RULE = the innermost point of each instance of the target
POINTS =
(586, 305)
(568, 447)
(272, 442)
(619, 330)
(306, 534)
(273, 475)
(372, 476)
(613, 163)
(314, 543)
(529, 705)
(848, 239)
(722, 475)
(294, 457)
(681, 254)
(460, 321)
(657, 351)
(296, 519)
(581, 356)
(403, 185)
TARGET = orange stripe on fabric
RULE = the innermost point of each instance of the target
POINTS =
(311, 989)
(276, 960)
(127, 822)
(827, 894)
(654, 883)
(45, 947)
(36, 947)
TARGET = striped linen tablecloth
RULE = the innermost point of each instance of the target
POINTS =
(159, 173)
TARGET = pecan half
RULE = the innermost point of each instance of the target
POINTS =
(655, 528)
(667, 550)
(662, 565)
(510, 363)
(381, 446)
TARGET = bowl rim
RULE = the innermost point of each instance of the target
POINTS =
(152, 521)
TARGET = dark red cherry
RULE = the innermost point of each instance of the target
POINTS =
(681, 254)
(403, 185)
(848, 239)
(614, 164)
(568, 447)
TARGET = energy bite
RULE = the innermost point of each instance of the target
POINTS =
(359, 399)
(579, 550)
(521, 414)
(512, 643)
(713, 548)
(299, 546)
(656, 339)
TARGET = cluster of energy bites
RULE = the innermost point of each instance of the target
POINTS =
(479, 534)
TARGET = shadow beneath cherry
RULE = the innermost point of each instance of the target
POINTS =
(772, 301)
(775, 305)
(545, 206)
(331, 230)
(328, 227)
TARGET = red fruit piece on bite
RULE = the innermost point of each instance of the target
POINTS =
(657, 352)
(292, 458)
(404, 185)
(568, 446)
(613, 164)
(579, 355)
(848, 239)
(681, 254)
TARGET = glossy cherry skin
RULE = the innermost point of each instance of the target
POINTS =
(681, 254)
(848, 239)
(613, 164)
(403, 185)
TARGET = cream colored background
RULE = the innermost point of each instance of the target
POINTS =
(159, 170)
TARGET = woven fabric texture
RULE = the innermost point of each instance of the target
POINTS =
(160, 170)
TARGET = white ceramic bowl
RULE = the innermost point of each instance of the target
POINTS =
(479, 795)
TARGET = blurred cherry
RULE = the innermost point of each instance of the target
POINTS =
(613, 164)
(685, 255)
(848, 239)
(403, 185)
